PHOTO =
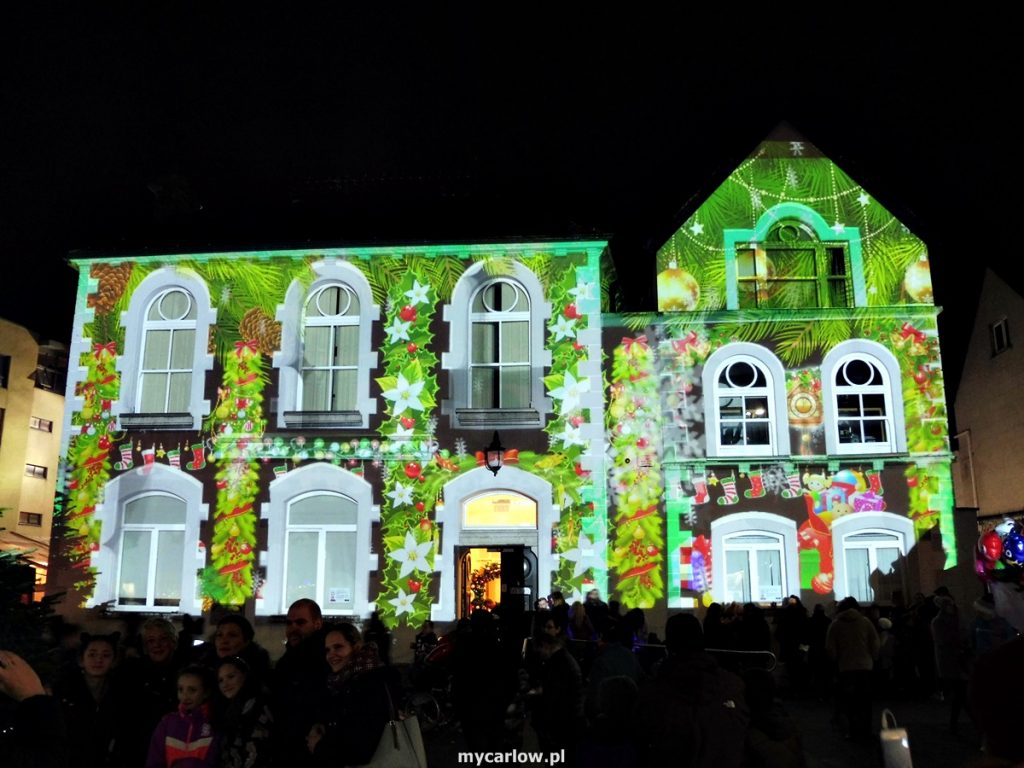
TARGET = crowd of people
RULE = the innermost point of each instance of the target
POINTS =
(589, 681)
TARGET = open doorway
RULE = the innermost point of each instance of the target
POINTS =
(502, 577)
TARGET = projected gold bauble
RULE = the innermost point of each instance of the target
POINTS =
(678, 290)
(917, 281)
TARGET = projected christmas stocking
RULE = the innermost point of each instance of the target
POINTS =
(198, 458)
(126, 457)
(700, 484)
(875, 481)
(794, 489)
(756, 489)
(729, 488)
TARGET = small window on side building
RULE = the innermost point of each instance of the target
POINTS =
(1000, 336)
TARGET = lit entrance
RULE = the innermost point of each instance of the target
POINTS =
(502, 576)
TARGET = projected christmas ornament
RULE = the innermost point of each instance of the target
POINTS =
(677, 290)
(917, 281)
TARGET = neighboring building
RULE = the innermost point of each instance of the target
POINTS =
(32, 381)
(250, 428)
(989, 418)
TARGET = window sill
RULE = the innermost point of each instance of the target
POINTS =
(497, 417)
(157, 420)
(323, 419)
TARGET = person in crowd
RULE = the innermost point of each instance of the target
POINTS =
(483, 683)
(886, 655)
(559, 609)
(819, 664)
(90, 697)
(597, 611)
(557, 702)
(852, 643)
(541, 604)
(998, 720)
(753, 633)
(580, 627)
(773, 739)
(242, 716)
(425, 642)
(951, 657)
(378, 634)
(695, 711)
(791, 635)
(186, 738)
(297, 681)
(606, 743)
(151, 687)
(357, 705)
(614, 659)
(715, 635)
(36, 736)
(234, 636)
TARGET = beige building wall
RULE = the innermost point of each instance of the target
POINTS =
(21, 445)
(990, 407)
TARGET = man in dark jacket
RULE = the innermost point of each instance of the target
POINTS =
(36, 736)
(297, 681)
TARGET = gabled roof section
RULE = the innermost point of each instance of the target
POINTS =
(788, 177)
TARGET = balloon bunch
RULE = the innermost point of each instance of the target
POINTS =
(1000, 553)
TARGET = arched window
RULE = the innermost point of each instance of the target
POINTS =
(864, 404)
(165, 356)
(496, 356)
(330, 349)
(168, 346)
(754, 558)
(319, 523)
(869, 547)
(326, 355)
(149, 556)
(499, 356)
(746, 407)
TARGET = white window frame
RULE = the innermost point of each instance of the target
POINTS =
(173, 327)
(127, 487)
(134, 321)
(288, 360)
(321, 548)
(500, 318)
(313, 480)
(154, 529)
(457, 360)
(732, 543)
(883, 361)
(774, 392)
(333, 322)
(866, 522)
(741, 524)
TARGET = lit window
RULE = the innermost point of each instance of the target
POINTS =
(320, 551)
(43, 425)
(864, 402)
(869, 549)
(496, 356)
(503, 509)
(792, 269)
(1000, 336)
(35, 470)
(151, 552)
(321, 516)
(165, 352)
(755, 558)
(326, 354)
(30, 518)
(745, 395)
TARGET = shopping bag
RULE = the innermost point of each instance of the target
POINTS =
(401, 746)
(895, 743)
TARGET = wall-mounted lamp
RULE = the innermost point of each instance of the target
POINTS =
(494, 455)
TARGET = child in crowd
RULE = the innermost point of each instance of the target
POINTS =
(185, 739)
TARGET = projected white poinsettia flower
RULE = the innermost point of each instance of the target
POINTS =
(570, 391)
(405, 395)
(413, 556)
(397, 331)
(583, 556)
(403, 603)
(418, 293)
(564, 328)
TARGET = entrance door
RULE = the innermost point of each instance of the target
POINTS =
(518, 579)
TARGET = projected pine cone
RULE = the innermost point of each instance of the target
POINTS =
(263, 330)
(112, 281)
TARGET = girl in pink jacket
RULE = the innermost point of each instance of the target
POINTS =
(185, 738)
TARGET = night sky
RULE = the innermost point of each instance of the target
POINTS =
(131, 131)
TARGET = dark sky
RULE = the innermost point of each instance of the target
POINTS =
(133, 131)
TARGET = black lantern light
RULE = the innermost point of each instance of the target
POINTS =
(494, 454)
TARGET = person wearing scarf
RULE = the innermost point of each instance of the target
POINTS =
(356, 705)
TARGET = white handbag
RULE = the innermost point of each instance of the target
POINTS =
(401, 743)
(895, 743)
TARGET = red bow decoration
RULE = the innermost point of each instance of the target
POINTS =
(907, 330)
(640, 341)
(110, 348)
(252, 345)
